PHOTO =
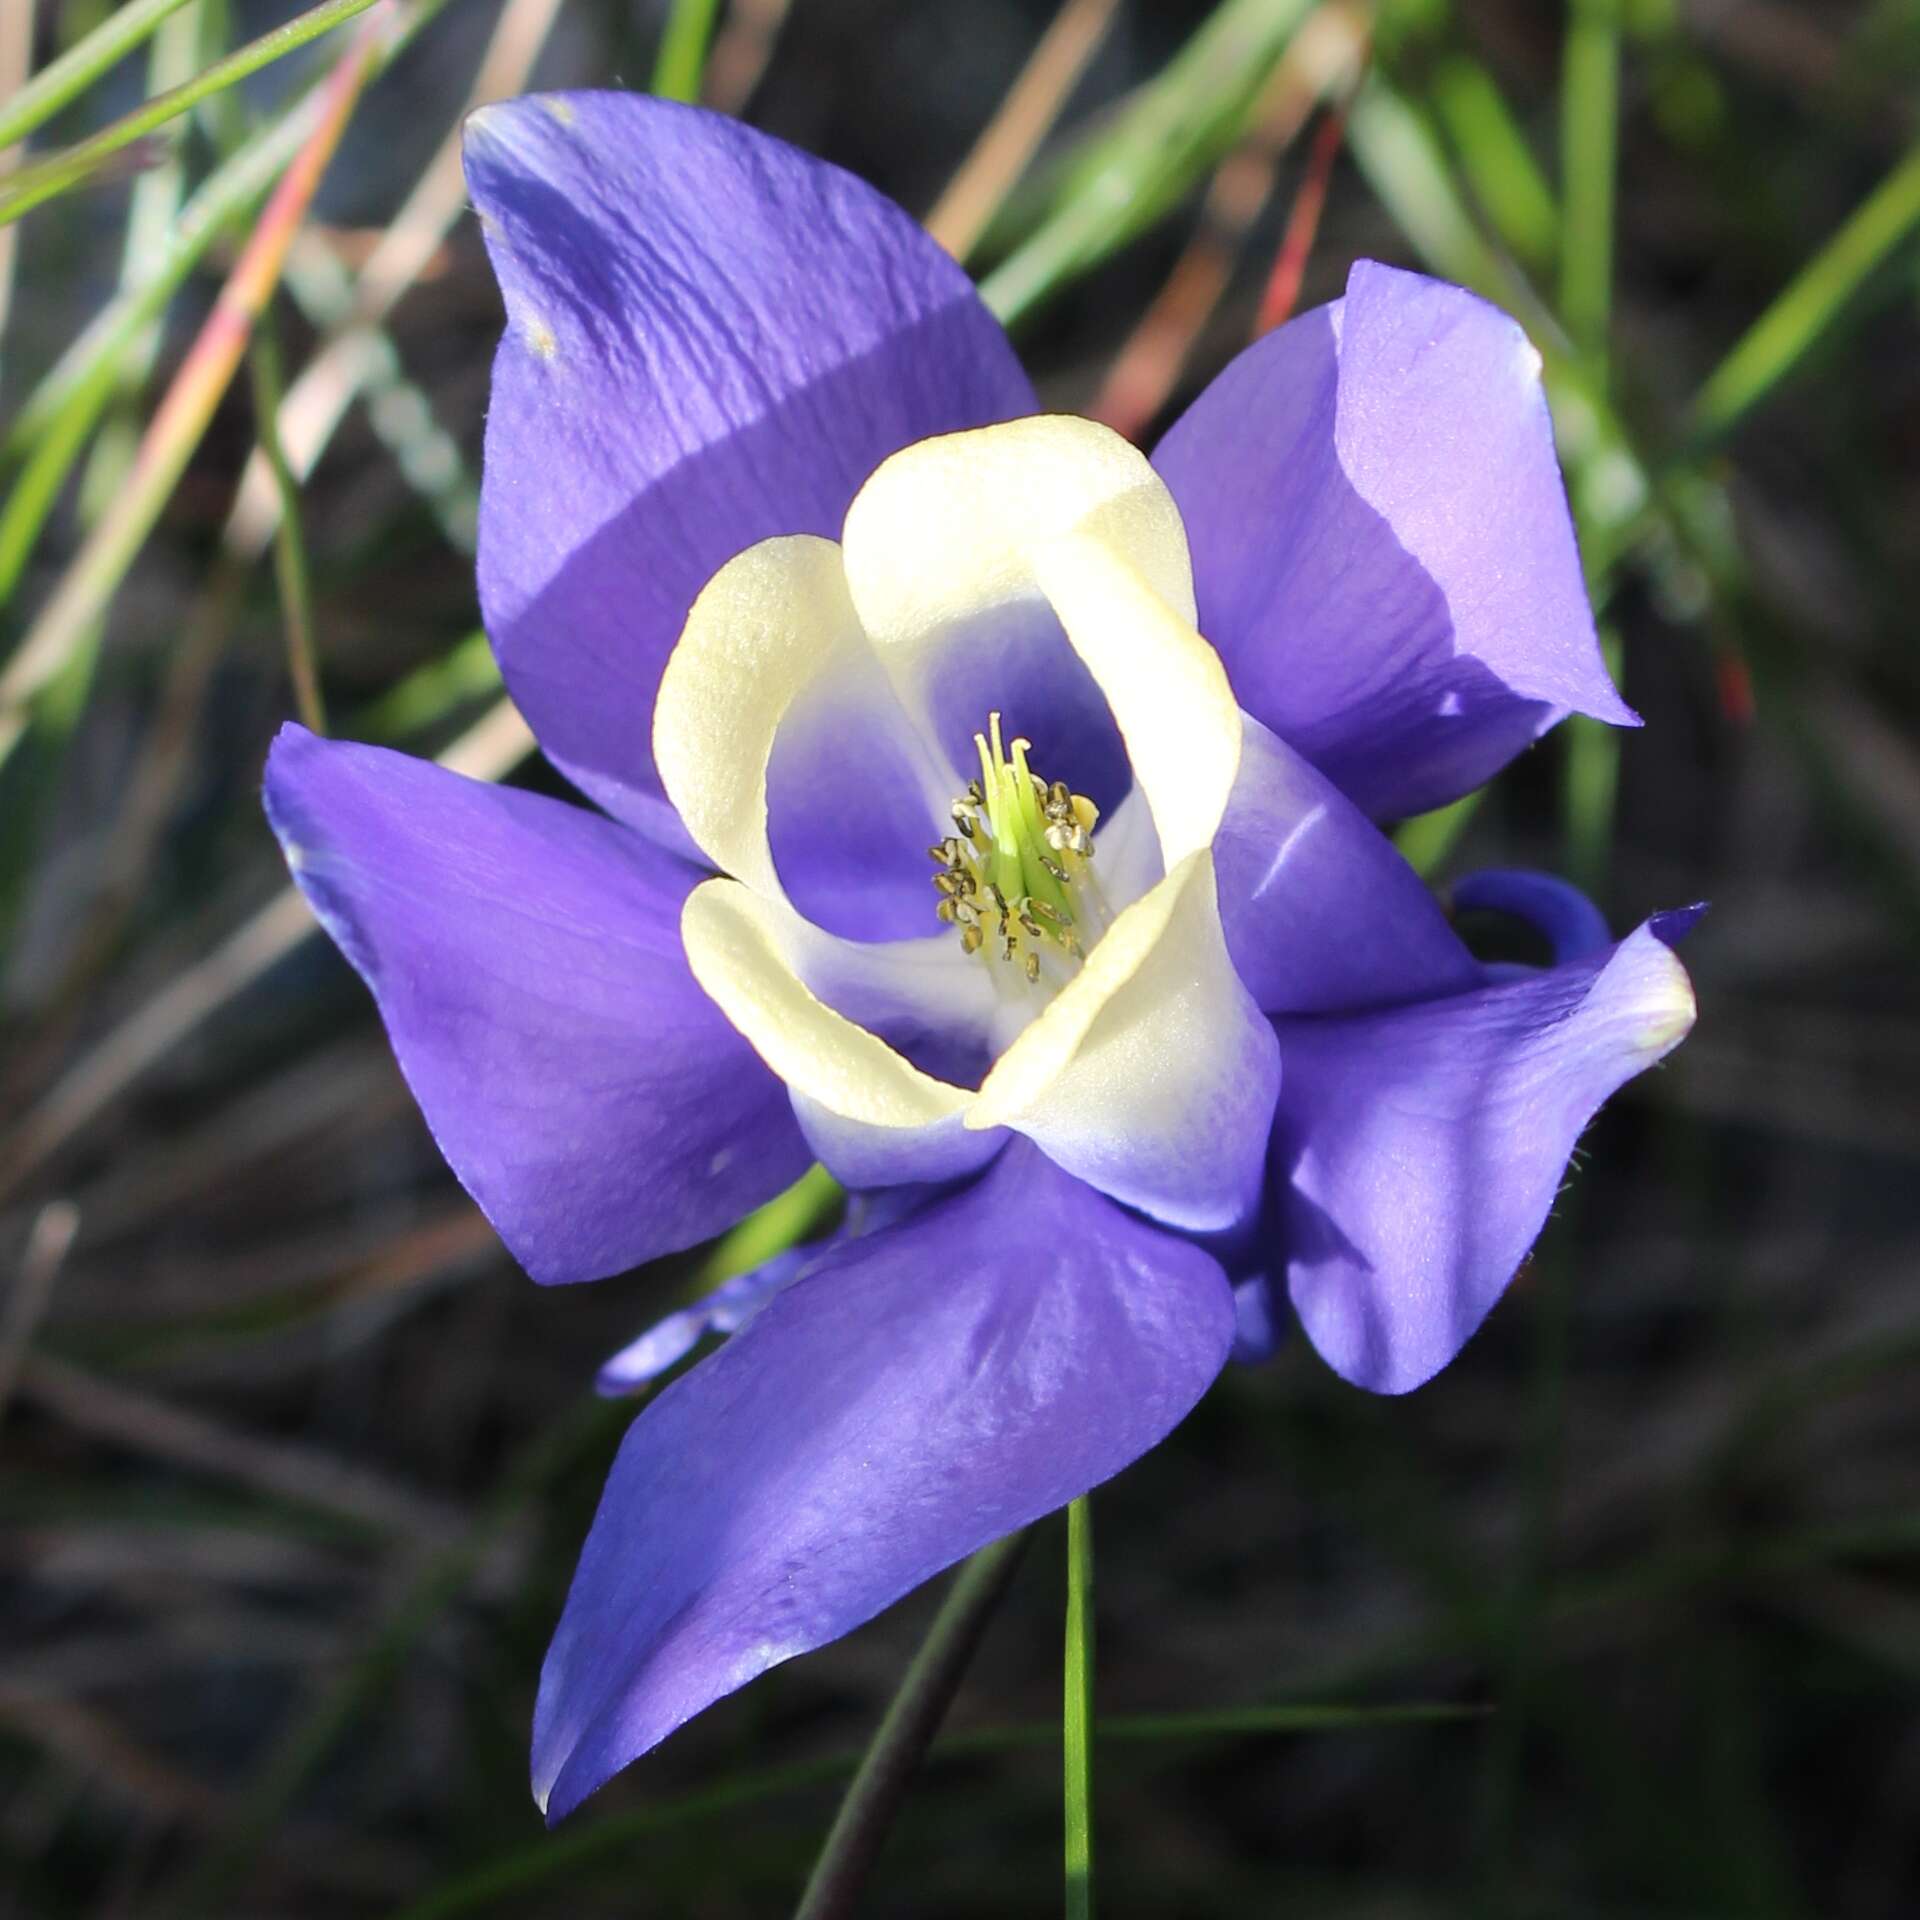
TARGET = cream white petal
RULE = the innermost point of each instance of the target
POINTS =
(742, 947)
(773, 635)
(1166, 686)
(952, 532)
(1153, 1075)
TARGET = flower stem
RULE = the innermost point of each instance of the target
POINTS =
(872, 1801)
(1077, 1714)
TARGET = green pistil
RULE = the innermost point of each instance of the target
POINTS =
(1011, 880)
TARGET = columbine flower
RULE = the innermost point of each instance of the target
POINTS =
(940, 846)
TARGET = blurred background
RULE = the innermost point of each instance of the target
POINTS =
(295, 1464)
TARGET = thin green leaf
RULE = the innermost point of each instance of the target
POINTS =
(1169, 137)
(1589, 789)
(681, 65)
(290, 570)
(1500, 168)
(1589, 111)
(1809, 307)
(1427, 840)
(65, 79)
(35, 185)
(557, 1857)
(886, 1771)
(1077, 1712)
(1589, 139)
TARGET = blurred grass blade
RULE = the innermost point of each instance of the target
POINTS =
(1020, 123)
(1427, 841)
(1323, 61)
(1809, 307)
(1589, 140)
(290, 545)
(466, 671)
(1498, 163)
(557, 1857)
(1169, 138)
(913, 1717)
(34, 778)
(35, 185)
(65, 79)
(1400, 155)
(1589, 789)
(1077, 1712)
(61, 414)
(682, 61)
(490, 749)
(1589, 111)
(16, 57)
(182, 417)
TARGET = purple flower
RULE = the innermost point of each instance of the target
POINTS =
(791, 579)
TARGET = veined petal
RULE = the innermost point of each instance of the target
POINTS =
(1166, 686)
(1151, 1075)
(1417, 1151)
(914, 1397)
(712, 339)
(866, 1107)
(987, 568)
(725, 1309)
(774, 685)
(1381, 543)
(1322, 914)
(526, 959)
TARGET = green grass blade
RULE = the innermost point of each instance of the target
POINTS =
(1402, 160)
(61, 414)
(913, 1717)
(63, 80)
(1174, 131)
(1498, 163)
(1589, 112)
(1809, 307)
(556, 1857)
(1077, 1713)
(1427, 840)
(290, 570)
(35, 185)
(682, 61)
(1589, 790)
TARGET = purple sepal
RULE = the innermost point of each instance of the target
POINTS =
(1381, 544)
(1417, 1151)
(1321, 913)
(526, 959)
(711, 338)
(726, 1309)
(920, 1392)
(1259, 1322)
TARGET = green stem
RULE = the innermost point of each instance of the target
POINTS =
(681, 64)
(575, 1850)
(1077, 1713)
(874, 1798)
(1768, 351)
(1590, 104)
(32, 186)
(290, 569)
(66, 78)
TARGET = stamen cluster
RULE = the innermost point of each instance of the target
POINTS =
(1016, 870)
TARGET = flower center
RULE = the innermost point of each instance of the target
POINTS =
(1015, 877)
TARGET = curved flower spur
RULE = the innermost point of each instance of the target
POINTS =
(988, 815)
